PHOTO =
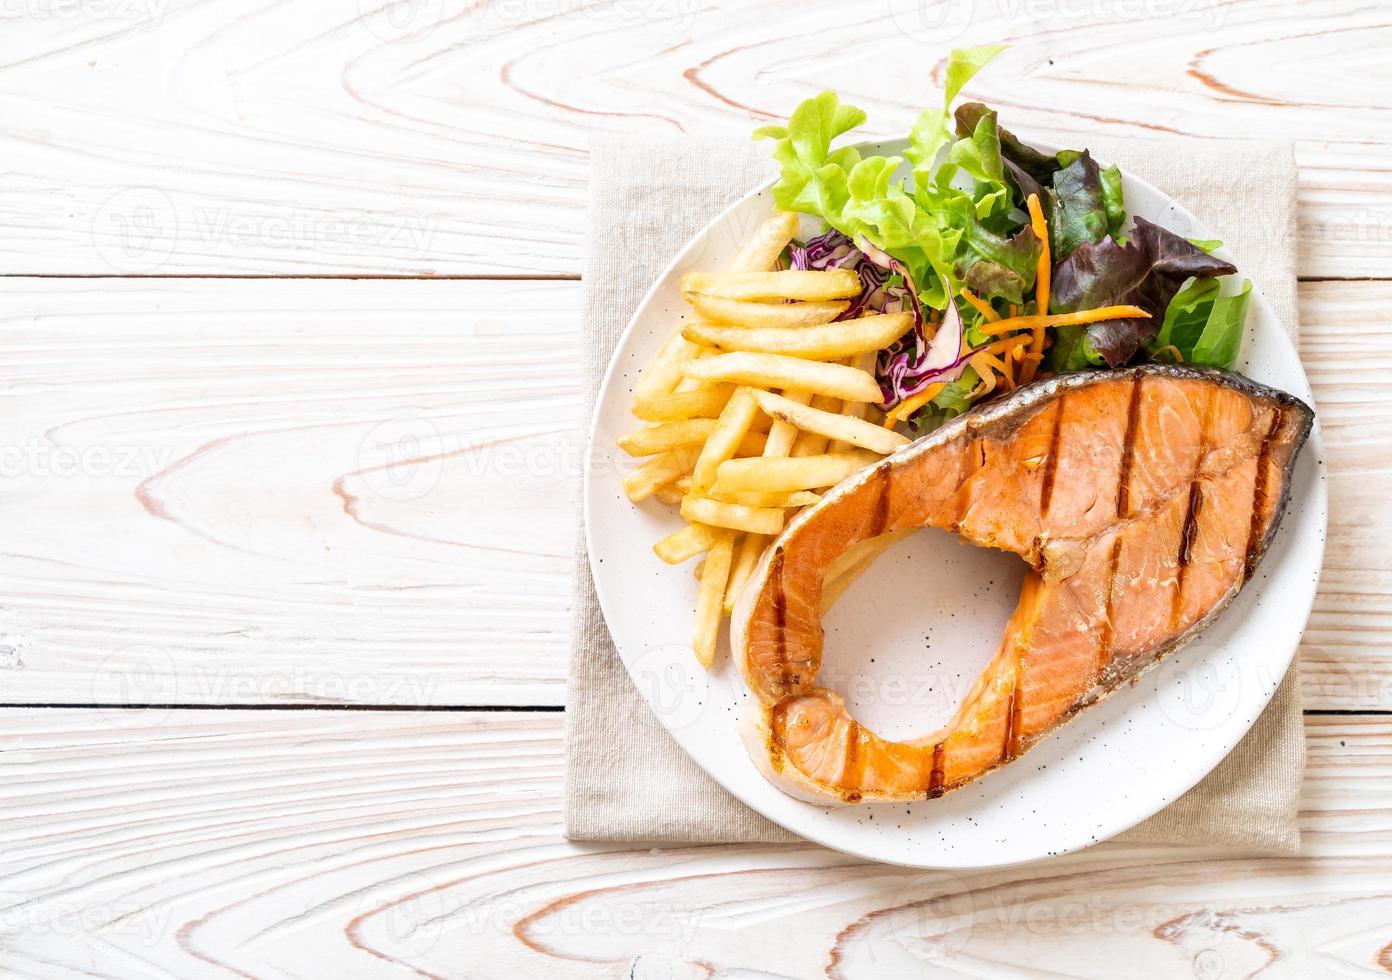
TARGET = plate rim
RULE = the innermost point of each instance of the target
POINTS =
(1318, 495)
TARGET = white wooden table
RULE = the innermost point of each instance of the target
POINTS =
(290, 444)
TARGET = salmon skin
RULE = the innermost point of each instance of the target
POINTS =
(1142, 499)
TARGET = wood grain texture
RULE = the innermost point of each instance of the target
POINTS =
(1346, 655)
(359, 492)
(275, 491)
(437, 137)
(368, 844)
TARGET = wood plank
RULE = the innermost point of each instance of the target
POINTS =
(287, 491)
(369, 844)
(197, 512)
(450, 137)
(1346, 656)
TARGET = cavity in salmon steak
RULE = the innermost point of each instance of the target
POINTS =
(1141, 499)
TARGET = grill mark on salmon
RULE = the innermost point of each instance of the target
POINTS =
(880, 517)
(1190, 527)
(1249, 564)
(778, 719)
(1108, 638)
(1010, 746)
(1197, 447)
(935, 773)
(1128, 450)
(853, 774)
(1046, 489)
(780, 614)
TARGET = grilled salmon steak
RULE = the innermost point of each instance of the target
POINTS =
(1142, 500)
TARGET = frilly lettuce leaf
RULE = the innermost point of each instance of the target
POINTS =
(925, 229)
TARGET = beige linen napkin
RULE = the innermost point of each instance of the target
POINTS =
(626, 779)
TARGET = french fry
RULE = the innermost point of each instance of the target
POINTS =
(789, 373)
(643, 481)
(724, 440)
(855, 410)
(785, 284)
(764, 475)
(774, 316)
(797, 498)
(702, 401)
(737, 517)
(853, 563)
(665, 436)
(710, 596)
(761, 251)
(670, 494)
(689, 542)
(751, 549)
(814, 443)
(665, 371)
(828, 342)
(752, 444)
(809, 444)
(783, 434)
(857, 432)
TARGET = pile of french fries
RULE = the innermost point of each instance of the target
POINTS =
(759, 402)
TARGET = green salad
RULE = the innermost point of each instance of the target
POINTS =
(1016, 263)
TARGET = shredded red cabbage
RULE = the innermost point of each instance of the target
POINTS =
(912, 362)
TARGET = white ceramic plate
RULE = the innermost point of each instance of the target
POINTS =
(909, 637)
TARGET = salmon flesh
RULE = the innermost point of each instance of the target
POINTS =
(1142, 500)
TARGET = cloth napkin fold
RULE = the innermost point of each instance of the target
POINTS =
(626, 779)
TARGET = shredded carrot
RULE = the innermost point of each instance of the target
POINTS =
(1042, 278)
(1178, 357)
(1004, 344)
(912, 404)
(988, 377)
(1065, 319)
(982, 307)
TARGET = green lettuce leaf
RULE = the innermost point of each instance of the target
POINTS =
(936, 229)
(1221, 339)
(930, 132)
(1187, 315)
(1114, 199)
(1203, 325)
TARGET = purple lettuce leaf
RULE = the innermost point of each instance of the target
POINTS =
(1146, 271)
